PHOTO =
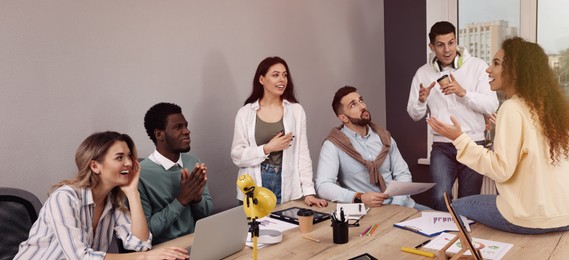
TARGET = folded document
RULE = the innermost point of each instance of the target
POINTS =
(432, 223)
(399, 188)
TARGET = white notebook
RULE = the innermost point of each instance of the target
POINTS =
(351, 210)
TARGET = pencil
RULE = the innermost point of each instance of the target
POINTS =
(372, 226)
(311, 239)
(365, 231)
(373, 229)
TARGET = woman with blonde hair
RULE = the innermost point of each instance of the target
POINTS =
(82, 214)
(530, 161)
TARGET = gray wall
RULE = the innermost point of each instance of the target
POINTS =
(405, 45)
(70, 68)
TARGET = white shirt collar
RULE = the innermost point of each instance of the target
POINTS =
(158, 158)
(255, 105)
(354, 134)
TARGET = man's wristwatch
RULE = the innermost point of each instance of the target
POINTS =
(358, 197)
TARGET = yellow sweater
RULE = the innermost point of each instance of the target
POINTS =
(532, 192)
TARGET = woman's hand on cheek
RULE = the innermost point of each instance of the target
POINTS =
(134, 175)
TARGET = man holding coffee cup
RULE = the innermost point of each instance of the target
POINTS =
(458, 85)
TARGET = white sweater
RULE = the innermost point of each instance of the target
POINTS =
(296, 163)
(468, 110)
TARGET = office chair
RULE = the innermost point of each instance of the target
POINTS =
(19, 210)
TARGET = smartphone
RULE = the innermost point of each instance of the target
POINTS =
(364, 256)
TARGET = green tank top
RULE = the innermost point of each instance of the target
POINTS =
(264, 132)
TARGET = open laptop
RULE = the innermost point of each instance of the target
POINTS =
(219, 235)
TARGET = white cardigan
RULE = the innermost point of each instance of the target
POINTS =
(296, 163)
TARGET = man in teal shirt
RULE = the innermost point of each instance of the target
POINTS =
(173, 198)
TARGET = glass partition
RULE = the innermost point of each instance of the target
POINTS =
(553, 36)
(484, 24)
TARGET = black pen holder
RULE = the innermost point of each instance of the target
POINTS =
(340, 232)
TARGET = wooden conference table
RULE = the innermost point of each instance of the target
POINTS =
(387, 240)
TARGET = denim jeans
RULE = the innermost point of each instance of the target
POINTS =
(482, 209)
(445, 169)
(421, 207)
(272, 180)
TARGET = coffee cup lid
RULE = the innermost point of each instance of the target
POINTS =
(305, 212)
(442, 77)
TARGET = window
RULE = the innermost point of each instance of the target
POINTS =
(499, 19)
(553, 36)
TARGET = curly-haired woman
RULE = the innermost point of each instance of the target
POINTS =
(530, 161)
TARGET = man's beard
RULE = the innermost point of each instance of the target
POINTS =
(173, 145)
(361, 121)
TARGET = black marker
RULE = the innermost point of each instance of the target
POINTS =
(422, 244)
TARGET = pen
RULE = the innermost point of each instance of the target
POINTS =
(342, 217)
(422, 244)
(311, 239)
(417, 252)
(333, 217)
(360, 207)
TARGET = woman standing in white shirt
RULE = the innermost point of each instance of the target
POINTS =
(269, 140)
(81, 215)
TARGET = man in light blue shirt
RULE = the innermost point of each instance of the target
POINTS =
(358, 160)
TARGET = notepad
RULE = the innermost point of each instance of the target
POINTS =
(431, 224)
(489, 249)
(351, 210)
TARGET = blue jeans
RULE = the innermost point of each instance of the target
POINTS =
(421, 207)
(445, 169)
(272, 180)
(482, 209)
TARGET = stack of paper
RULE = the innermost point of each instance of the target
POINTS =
(489, 249)
(432, 223)
(398, 188)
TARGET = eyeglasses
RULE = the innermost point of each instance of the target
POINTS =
(356, 222)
